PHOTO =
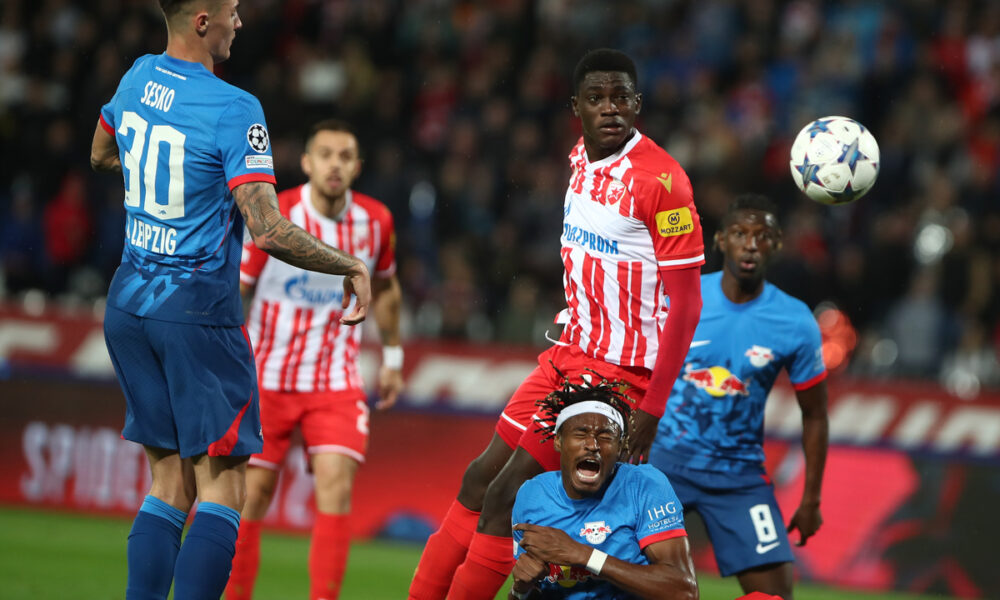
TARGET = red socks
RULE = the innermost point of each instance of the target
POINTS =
(444, 551)
(245, 562)
(489, 562)
(331, 542)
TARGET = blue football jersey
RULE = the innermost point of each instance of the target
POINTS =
(186, 139)
(715, 415)
(636, 509)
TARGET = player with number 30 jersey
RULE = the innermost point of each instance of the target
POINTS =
(194, 157)
(187, 138)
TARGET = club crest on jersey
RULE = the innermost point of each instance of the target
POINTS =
(595, 531)
(614, 193)
(360, 239)
(759, 355)
(257, 138)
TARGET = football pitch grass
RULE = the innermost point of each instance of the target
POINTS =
(54, 556)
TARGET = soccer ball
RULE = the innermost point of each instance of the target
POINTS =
(835, 160)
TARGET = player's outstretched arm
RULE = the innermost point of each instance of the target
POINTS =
(670, 573)
(104, 152)
(284, 240)
(387, 300)
(683, 286)
(815, 439)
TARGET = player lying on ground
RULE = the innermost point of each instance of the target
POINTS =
(598, 528)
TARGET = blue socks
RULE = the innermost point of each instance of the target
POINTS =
(199, 569)
(203, 564)
(152, 549)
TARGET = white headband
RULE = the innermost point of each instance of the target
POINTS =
(590, 406)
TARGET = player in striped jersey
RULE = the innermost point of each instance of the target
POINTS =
(631, 235)
(307, 360)
(196, 164)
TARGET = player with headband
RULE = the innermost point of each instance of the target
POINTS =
(597, 528)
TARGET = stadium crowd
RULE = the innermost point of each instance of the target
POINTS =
(462, 107)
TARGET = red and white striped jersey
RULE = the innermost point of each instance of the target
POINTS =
(626, 217)
(299, 343)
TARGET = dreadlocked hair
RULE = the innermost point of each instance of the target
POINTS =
(610, 392)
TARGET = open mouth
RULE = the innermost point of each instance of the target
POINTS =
(588, 469)
(748, 264)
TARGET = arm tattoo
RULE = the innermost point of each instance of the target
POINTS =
(281, 238)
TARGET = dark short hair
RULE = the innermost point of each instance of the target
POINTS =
(171, 8)
(604, 59)
(750, 202)
(330, 125)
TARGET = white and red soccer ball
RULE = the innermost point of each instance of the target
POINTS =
(834, 160)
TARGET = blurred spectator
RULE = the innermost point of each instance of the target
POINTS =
(921, 327)
(68, 230)
(973, 364)
(21, 242)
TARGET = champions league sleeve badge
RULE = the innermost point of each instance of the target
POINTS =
(257, 138)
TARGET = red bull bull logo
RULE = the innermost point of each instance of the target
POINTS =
(566, 576)
(717, 381)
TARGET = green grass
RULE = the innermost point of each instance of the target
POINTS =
(54, 556)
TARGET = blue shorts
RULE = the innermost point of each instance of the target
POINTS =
(190, 388)
(739, 511)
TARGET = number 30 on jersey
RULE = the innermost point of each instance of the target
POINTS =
(148, 140)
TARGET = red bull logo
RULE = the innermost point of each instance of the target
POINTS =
(717, 381)
(566, 576)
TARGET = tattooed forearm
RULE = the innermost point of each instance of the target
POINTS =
(284, 240)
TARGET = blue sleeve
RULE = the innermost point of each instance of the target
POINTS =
(807, 362)
(244, 142)
(108, 110)
(661, 515)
